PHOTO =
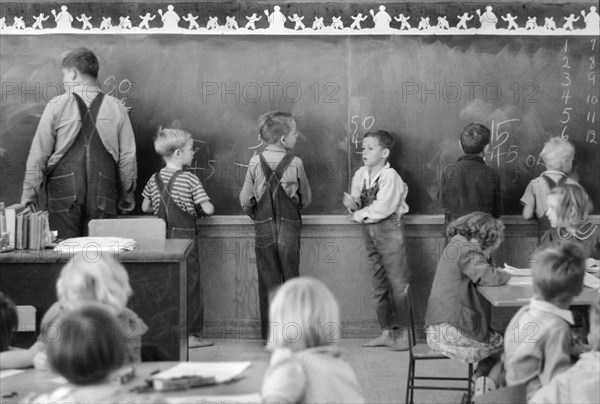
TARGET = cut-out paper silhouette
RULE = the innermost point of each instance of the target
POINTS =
(170, 18)
(86, 22)
(404, 20)
(298, 21)
(442, 23)
(39, 20)
(145, 20)
(276, 19)
(106, 23)
(550, 24)
(64, 19)
(382, 19)
(18, 23)
(531, 23)
(462, 20)
(592, 19)
(318, 23)
(191, 19)
(511, 21)
(337, 23)
(424, 24)
(212, 23)
(568, 25)
(3, 23)
(231, 23)
(124, 22)
(488, 19)
(357, 20)
(251, 20)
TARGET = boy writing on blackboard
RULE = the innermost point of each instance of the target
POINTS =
(378, 201)
(274, 193)
(84, 149)
(177, 197)
(469, 185)
(557, 154)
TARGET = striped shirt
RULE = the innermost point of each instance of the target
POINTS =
(187, 190)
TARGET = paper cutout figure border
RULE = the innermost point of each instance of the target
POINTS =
(487, 23)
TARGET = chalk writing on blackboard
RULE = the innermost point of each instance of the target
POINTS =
(591, 99)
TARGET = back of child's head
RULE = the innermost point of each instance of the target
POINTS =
(273, 125)
(100, 279)
(558, 273)
(558, 154)
(83, 60)
(9, 321)
(167, 140)
(574, 205)
(483, 227)
(88, 346)
(384, 139)
(594, 335)
(474, 137)
(303, 314)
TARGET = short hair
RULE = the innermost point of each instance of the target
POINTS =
(273, 125)
(556, 150)
(574, 204)
(483, 227)
(474, 137)
(83, 60)
(89, 347)
(558, 272)
(9, 321)
(101, 280)
(595, 324)
(384, 138)
(303, 314)
(168, 140)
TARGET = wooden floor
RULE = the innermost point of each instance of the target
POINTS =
(381, 373)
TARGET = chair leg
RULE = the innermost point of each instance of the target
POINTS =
(409, 382)
(412, 382)
(469, 383)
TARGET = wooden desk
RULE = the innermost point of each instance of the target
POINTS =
(517, 296)
(39, 382)
(157, 274)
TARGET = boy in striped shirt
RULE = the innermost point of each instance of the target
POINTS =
(177, 197)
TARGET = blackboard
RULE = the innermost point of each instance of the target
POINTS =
(423, 89)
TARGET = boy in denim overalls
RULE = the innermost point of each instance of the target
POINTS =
(275, 191)
(84, 151)
(178, 197)
(378, 201)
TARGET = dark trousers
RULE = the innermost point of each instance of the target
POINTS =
(388, 268)
(195, 300)
(276, 264)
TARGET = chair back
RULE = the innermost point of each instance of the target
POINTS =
(135, 228)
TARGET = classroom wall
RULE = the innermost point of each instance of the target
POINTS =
(333, 251)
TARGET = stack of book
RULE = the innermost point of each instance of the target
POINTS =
(23, 229)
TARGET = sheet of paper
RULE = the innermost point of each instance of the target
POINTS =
(231, 399)
(591, 281)
(222, 371)
(10, 372)
(517, 271)
(520, 281)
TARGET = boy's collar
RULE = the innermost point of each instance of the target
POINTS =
(547, 307)
(474, 157)
(276, 147)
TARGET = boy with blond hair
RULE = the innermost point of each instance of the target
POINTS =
(177, 197)
(537, 343)
(557, 155)
(274, 193)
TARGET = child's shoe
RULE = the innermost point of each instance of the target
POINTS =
(483, 385)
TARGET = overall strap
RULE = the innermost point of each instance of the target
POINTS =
(91, 112)
(551, 183)
(283, 165)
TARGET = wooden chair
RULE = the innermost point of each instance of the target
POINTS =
(26, 315)
(135, 228)
(420, 352)
(507, 395)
